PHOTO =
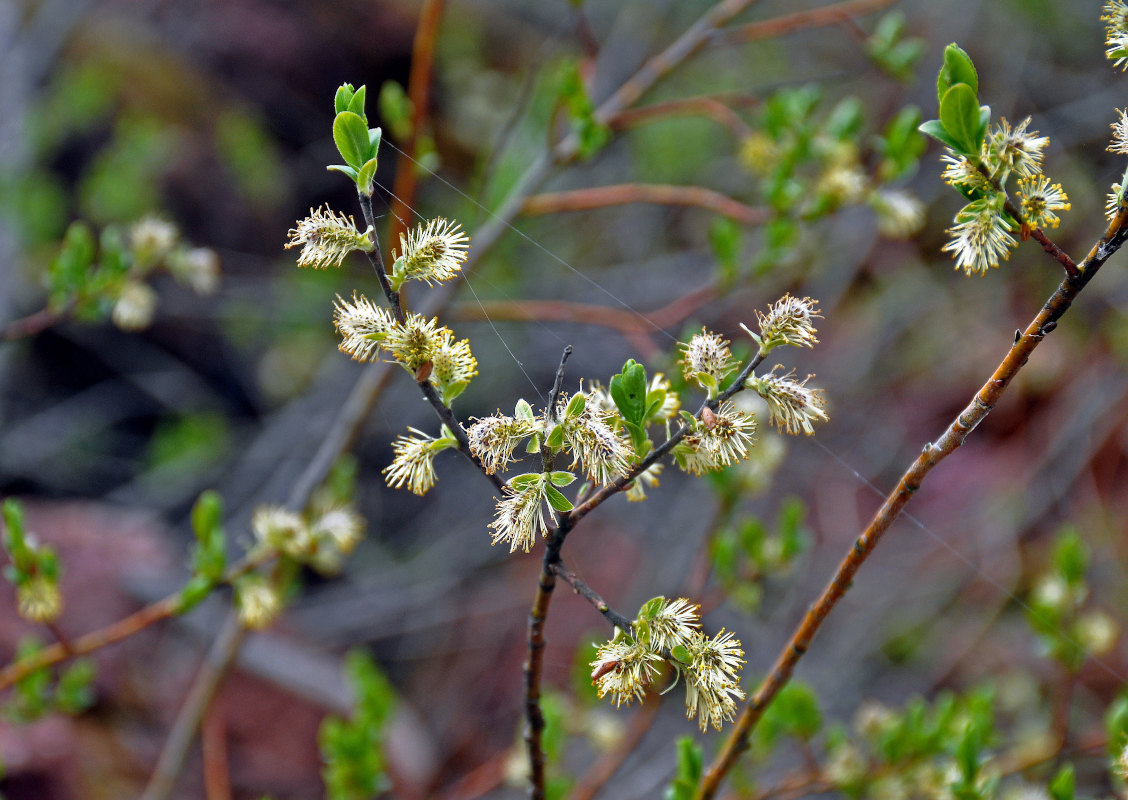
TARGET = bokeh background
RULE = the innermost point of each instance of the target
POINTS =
(216, 116)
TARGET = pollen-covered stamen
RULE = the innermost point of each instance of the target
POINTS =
(712, 686)
(414, 462)
(792, 406)
(790, 321)
(706, 359)
(604, 454)
(980, 238)
(1015, 150)
(1040, 199)
(493, 439)
(363, 326)
(326, 238)
(624, 668)
(431, 252)
(520, 514)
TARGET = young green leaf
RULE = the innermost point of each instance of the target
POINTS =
(960, 114)
(957, 69)
(1063, 785)
(561, 478)
(343, 97)
(576, 405)
(555, 438)
(366, 177)
(350, 134)
(557, 500)
(651, 608)
(628, 390)
(356, 103)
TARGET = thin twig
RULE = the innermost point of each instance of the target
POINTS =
(634, 325)
(800, 20)
(660, 194)
(932, 454)
(204, 686)
(110, 634)
(558, 382)
(711, 107)
(589, 594)
(418, 91)
(31, 325)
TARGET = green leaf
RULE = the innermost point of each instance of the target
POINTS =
(651, 608)
(845, 119)
(195, 590)
(960, 114)
(628, 390)
(374, 137)
(350, 133)
(655, 399)
(352, 173)
(1071, 557)
(524, 481)
(523, 410)
(576, 405)
(1063, 785)
(453, 390)
(396, 109)
(555, 438)
(638, 437)
(557, 500)
(957, 69)
(356, 103)
(724, 239)
(366, 177)
(561, 478)
(681, 654)
(984, 119)
(534, 444)
(206, 515)
(343, 97)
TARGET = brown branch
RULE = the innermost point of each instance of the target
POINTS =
(801, 20)
(705, 106)
(632, 324)
(418, 90)
(589, 594)
(695, 37)
(213, 749)
(204, 686)
(110, 634)
(660, 194)
(932, 454)
(31, 325)
(651, 72)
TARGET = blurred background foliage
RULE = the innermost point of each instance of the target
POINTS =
(216, 117)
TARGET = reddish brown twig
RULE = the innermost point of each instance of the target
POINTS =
(30, 325)
(213, 749)
(802, 20)
(419, 91)
(932, 454)
(710, 107)
(627, 193)
(635, 326)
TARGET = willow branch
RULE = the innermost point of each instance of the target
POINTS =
(63, 650)
(589, 594)
(932, 454)
(31, 325)
(711, 107)
(418, 90)
(629, 323)
(659, 194)
(204, 686)
(802, 20)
